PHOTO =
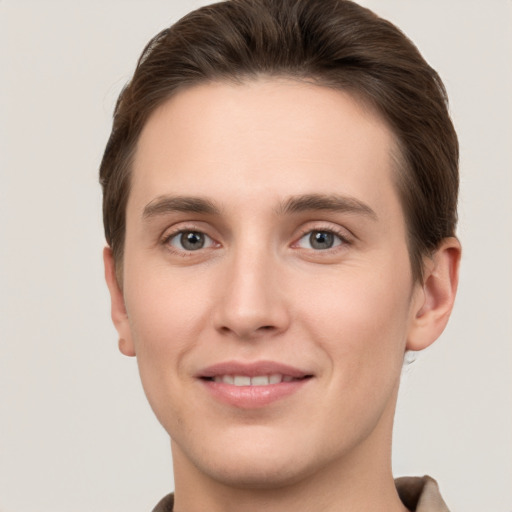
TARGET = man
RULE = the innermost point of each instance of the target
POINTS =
(280, 192)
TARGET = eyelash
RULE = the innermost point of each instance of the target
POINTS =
(325, 229)
(166, 239)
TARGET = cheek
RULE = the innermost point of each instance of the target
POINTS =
(165, 320)
(164, 304)
(159, 317)
(361, 320)
(167, 315)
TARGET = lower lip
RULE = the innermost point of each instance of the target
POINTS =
(251, 397)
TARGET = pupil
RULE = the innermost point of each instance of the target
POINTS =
(192, 240)
(321, 240)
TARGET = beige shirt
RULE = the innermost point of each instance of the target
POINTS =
(419, 494)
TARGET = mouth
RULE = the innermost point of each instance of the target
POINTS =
(257, 380)
(253, 385)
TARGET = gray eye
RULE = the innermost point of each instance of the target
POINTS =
(319, 240)
(190, 241)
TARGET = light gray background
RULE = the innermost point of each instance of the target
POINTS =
(75, 431)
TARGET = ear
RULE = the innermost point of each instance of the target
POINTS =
(118, 309)
(434, 300)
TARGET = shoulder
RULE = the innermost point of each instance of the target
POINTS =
(420, 494)
(417, 493)
(166, 504)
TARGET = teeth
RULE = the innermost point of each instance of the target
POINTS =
(275, 378)
(258, 380)
(242, 380)
(261, 380)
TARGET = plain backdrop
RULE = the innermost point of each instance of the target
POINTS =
(76, 433)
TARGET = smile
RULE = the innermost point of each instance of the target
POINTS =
(257, 380)
(253, 385)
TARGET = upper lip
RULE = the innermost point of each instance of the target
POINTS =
(252, 369)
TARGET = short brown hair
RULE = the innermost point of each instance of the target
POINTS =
(334, 43)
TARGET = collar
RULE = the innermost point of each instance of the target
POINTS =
(418, 494)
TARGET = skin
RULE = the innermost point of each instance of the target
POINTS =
(258, 290)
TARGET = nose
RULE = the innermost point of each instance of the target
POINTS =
(253, 302)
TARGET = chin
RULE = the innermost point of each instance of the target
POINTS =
(255, 464)
(245, 473)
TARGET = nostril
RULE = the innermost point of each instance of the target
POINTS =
(225, 329)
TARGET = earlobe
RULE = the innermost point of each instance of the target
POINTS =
(126, 347)
(118, 309)
(434, 301)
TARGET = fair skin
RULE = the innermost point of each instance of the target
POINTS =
(265, 239)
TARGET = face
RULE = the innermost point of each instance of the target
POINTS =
(267, 285)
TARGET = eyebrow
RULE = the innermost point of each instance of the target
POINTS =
(327, 202)
(163, 205)
(169, 204)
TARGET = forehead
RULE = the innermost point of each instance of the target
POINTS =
(269, 138)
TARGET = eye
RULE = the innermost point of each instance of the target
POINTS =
(190, 241)
(320, 240)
